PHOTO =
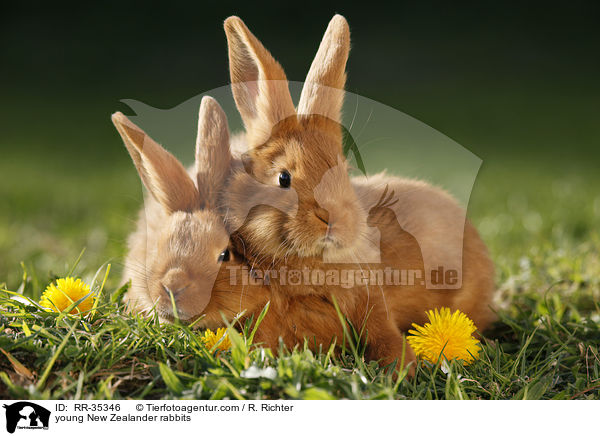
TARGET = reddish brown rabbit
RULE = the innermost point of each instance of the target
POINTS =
(291, 203)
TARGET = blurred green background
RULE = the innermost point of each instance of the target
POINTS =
(517, 83)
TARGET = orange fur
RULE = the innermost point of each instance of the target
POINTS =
(336, 218)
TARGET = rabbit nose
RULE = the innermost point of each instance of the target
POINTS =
(175, 282)
(322, 215)
(174, 291)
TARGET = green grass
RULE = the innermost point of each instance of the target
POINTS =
(545, 346)
(539, 218)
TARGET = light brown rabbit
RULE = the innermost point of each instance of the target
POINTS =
(181, 244)
(294, 159)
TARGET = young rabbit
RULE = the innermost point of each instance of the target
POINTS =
(180, 243)
(294, 159)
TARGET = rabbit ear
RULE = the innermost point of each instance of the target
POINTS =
(162, 174)
(323, 91)
(213, 157)
(259, 84)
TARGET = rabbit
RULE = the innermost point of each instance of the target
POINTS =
(294, 157)
(180, 247)
(181, 244)
(324, 219)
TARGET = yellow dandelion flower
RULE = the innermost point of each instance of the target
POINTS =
(211, 339)
(446, 334)
(65, 292)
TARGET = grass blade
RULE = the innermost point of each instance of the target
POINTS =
(46, 372)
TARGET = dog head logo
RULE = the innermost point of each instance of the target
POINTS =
(26, 415)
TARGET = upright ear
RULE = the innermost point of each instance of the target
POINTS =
(213, 156)
(259, 84)
(162, 174)
(323, 93)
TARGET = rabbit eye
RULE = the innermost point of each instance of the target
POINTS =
(285, 179)
(224, 256)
